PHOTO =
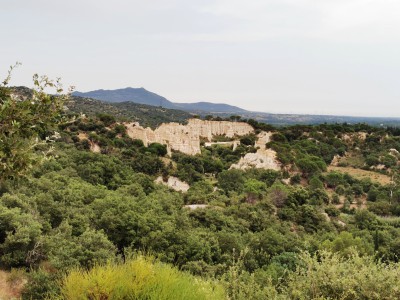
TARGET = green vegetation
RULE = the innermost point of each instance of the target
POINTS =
(24, 125)
(138, 278)
(146, 115)
(73, 221)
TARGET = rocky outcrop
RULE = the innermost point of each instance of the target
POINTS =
(394, 152)
(262, 139)
(186, 138)
(208, 129)
(196, 206)
(351, 137)
(335, 161)
(174, 183)
(232, 144)
(94, 147)
(263, 159)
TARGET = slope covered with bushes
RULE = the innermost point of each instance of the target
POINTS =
(300, 233)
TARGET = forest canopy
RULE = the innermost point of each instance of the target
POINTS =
(319, 228)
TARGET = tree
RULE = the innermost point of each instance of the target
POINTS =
(26, 123)
(331, 276)
(231, 180)
(345, 244)
(333, 179)
(316, 183)
(311, 165)
(365, 219)
(19, 233)
(158, 149)
(254, 189)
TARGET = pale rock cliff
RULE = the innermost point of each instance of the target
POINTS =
(174, 183)
(186, 138)
(233, 144)
(208, 129)
(94, 147)
(196, 206)
(263, 159)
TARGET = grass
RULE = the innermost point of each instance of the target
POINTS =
(355, 160)
(11, 284)
(139, 278)
(362, 174)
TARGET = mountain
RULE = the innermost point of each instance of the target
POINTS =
(209, 107)
(136, 95)
(127, 104)
(143, 96)
(146, 115)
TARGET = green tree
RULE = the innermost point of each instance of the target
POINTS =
(19, 232)
(231, 180)
(26, 123)
(254, 189)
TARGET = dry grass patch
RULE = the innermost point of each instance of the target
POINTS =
(362, 174)
(11, 284)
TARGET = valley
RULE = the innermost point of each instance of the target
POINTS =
(234, 208)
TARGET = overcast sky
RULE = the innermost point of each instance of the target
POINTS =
(282, 56)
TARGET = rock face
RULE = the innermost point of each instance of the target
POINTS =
(353, 136)
(174, 183)
(263, 159)
(335, 160)
(94, 147)
(394, 152)
(196, 206)
(186, 138)
(233, 144)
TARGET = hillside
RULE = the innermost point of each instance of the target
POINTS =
(248, 210)
(143, 96)
(147, 115)
(136, 95)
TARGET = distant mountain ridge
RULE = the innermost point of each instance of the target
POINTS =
(153, 115)
(143, 96)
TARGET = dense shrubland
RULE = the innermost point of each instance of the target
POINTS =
(79, 218)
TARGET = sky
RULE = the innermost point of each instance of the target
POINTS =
(337, 57)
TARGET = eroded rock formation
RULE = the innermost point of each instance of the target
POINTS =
(263, 159)
(186, 138)
(233, 144)
(174, 183)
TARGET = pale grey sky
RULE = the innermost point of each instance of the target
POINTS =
(287, 56)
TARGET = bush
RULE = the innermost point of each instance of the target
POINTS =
(158, 149)
(329, 276)
(40, 285)
(138, 278)
(106, 119)
(332, 211)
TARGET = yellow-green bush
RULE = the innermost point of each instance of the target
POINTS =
(138, 278)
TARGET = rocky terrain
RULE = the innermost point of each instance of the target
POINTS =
(186, 138)
(263, 159)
